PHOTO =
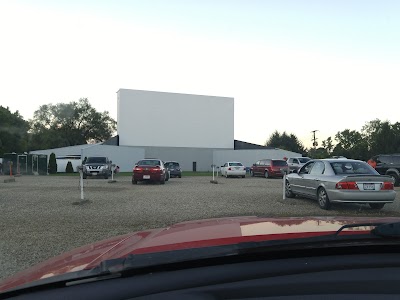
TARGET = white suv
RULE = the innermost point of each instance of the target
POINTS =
(296, 163)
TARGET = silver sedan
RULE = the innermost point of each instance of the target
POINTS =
(340, 180)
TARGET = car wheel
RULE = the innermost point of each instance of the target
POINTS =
(395, 178)
(226, 175)
(288, 190)
(323, 199)
(106, 176)
(162, 181)
(84, 176)
(134, 181)
(376, 205)
(166, 178)
(244, 176)
(266, 175)
(180, 176)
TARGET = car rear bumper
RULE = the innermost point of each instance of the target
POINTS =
(150, 177)
(175, 173)
(236, 172)
(361, 197)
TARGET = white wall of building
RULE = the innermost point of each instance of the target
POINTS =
(174, 120)
(124, 157)
(249, 157)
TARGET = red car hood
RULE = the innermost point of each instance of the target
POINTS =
(193, 234)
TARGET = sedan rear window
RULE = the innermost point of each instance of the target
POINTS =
(149, 162)
(172, 164)
(343, 168)
(279, 163)
(235, 164)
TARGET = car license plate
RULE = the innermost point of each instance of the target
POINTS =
(94, 173)
(369, 186)
(146, 176)
(237, 168)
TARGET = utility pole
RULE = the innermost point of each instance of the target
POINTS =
(314, 139)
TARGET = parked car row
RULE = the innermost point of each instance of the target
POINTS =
(155, 170)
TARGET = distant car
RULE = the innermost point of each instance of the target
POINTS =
(270, 168)
(340, 180)
(338, 157)
(174, 168)
(388, 164)
(150, 170)
(296, 163)
(233, 169)
(97, 166)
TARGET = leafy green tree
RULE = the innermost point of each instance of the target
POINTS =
(382, 137)
(13, 131)
(52, 164)
(69, 168)
(318, 153)
(68, 124)
(351, 144)
(285, 141)
(328, 145)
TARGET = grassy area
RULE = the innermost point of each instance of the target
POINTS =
(65, 174)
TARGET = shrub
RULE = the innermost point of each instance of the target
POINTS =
(52, 164)
(69, 168)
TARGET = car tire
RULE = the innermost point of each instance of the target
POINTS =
(134, 181)
(180, 176)
(84, 176)
(288, 190)
(244, 176)
(323, 199)
(106, 176)
(395, 178)
(376, 205)
(162, 181)
(226, 175)
(266, 174)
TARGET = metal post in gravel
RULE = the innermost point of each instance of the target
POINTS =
(213, 180)
(113, 166)
(82, 200)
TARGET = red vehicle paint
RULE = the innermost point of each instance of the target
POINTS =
(193, 234)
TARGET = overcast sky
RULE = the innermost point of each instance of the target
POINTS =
(291, 65)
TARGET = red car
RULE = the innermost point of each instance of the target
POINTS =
(245, 257)
(150, 170)
(270, 168)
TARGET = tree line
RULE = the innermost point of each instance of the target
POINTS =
(54, 126)
(77, 122)
(375, 137)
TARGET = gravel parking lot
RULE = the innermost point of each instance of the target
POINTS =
(39, 220)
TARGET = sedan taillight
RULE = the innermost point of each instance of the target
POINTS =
(347, 185)
(229, 169)
(156, 169)
(387, 186)
(137, 169)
